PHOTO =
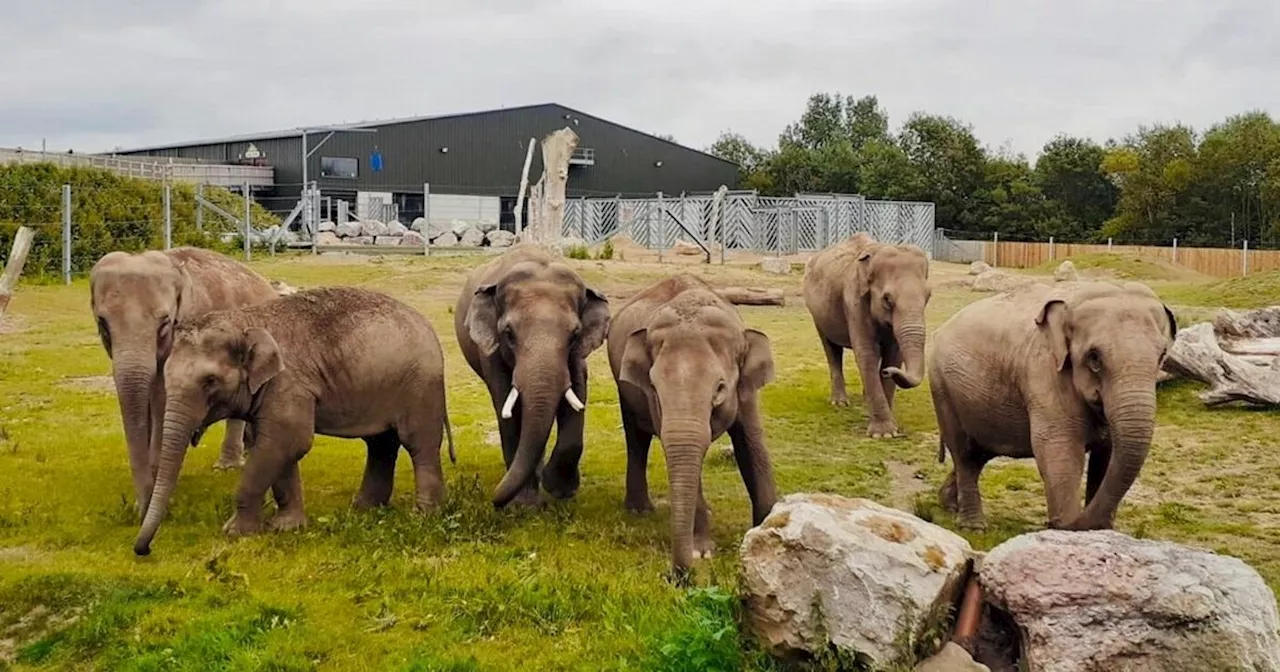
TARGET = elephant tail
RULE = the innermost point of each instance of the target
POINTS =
(448, 432)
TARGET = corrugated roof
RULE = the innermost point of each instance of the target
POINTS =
(296, 132)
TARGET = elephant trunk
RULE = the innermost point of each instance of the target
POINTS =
(135, 373)
(685, 439)
(539, 396)
(1131, 411)
(910, 335)
(180, 422)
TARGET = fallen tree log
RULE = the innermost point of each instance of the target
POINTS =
(752, 296)
(1261, 323)
(13, 267)
(1196, 354)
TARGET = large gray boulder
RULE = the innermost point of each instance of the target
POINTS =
(446, 239)
(979, 267)
(1101, 600)
(387, 240)
(418, 224)
(459, 227)
(348, 229)
(373, 227)
(1066, 272)
(361, 240)
(395, 228)
(327, 238)
(326, 225)
(776, 265)
(825, 571)
(412, 238)
(500, 238)
(486, 225)
(472, 237)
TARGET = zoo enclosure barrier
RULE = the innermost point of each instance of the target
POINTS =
(1222, 262)
(744, 220)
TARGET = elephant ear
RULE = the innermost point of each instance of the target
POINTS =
(1173, 322)
(636, 360)
(482, 319)
(757, 361)
(1052, 321)
(182, 289)
(595, 323)
(262, 358)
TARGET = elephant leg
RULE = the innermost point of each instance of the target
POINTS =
(1061, 460)
(638, 443)
(752, 457)
(287, 491)
(835, 365)
(379, 470)
(232, 454)
(423, 441)
(281, 443)
(509, 431)
(890, 355)
(955, 440)
(561, 476)
(703, 545)
(949, 493)
(1099, 459)
(881, 424)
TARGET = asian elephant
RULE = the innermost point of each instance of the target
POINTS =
(871, 297)
(525, 323)
(137, 301)
(337, 361)
(1051, 372)
(688, 370)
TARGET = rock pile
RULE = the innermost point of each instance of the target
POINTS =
(458, 233)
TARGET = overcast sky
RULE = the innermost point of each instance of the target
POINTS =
(93, 74)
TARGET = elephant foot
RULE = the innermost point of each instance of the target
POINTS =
(240, 526)
(287, 521)
(883, 429)
(228, 463)
(703, 548)
(528, 499)
(681, 577)
(839, 399)
(427, 503)
(976, 523)
(949, 495)
(561, 483)
(639, 506)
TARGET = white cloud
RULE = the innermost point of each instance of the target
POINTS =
(93, 75)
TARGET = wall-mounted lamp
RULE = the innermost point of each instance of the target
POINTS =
(444, 150)
(658, 163)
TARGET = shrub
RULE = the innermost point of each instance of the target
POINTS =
(578, 252)
(606, 252)
(109, 212)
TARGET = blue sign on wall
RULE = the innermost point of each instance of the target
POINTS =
(375, 161)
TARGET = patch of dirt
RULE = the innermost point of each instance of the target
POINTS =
(493, 438)
(12, 324)
(33, 626)
(101, 384)
(908, 482)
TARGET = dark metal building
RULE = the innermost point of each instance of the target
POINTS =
(478, 153)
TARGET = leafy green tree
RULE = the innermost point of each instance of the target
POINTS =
(951, 166)
(1079, 194)
(1153, 169)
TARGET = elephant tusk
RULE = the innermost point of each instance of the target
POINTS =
(511, 402)
(573, 400)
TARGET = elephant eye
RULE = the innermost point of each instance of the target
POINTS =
(575, 335)
(888, 301)
(210, 381)
(509, 334)
(1093, 360)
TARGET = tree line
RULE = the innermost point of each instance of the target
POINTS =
(1213, 188)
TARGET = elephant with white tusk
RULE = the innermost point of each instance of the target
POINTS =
(526, 323)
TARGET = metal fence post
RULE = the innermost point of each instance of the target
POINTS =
(1108, 244)
(1244, 259)
(1175, 250)
(66, 233)
(248, 226)
(168, 216)
(426, 219)
(199, 208)
(1051, 257)
(662, 225)
(995, 249)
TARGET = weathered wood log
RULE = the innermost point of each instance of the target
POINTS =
(1196, 354)
(557, 149)
(524, 186)
(13, 267)
(752, 296)
(1261, 323)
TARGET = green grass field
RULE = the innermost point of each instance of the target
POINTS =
(574, 586)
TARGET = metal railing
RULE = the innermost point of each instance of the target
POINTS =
(152, 168)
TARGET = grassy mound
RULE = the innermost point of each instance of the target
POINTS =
(1124, 267)
(1253, 291)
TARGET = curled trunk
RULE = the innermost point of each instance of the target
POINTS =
(179, 425)
(910, 336)
(1131, 412)
(539, 401)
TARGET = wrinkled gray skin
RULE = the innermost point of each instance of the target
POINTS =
(336, 361)
(1051, 372)
(871, 298)
(137, 300)
(688, 370)
(525, 323)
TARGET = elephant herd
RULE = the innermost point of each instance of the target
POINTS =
(1062, 374)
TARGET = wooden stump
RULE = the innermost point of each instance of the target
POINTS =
(13, 268)
(1197, 354)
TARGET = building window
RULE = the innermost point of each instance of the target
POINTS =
(339, 167)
